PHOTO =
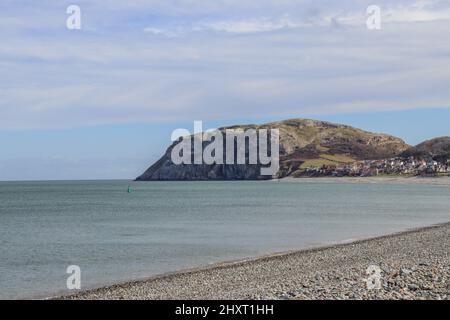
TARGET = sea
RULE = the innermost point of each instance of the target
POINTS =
(115, 231)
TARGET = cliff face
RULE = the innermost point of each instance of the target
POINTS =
(303, 143)
(165, 169)
(437, 149)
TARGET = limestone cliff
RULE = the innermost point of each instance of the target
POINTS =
(303, 143)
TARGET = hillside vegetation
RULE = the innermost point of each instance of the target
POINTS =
(303, 143)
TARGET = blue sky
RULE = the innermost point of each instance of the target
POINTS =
(101, 102)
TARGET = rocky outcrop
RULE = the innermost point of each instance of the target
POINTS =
(435, 149)
(165, 169)
(302, 142)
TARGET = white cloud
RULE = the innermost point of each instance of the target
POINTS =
(154, 30)
(171, 33)
(225, 59)
(249, 26)
(414, 14)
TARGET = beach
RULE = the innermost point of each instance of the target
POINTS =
(413, 264)
(115, 236)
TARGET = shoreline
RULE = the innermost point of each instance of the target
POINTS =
(155, 287)
(439, 181)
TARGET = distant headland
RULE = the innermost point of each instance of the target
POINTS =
(311, 148)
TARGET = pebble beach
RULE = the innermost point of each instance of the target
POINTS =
(411, 265)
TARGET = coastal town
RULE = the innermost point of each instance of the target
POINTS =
(394, 166)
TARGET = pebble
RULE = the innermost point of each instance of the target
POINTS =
(336, 272)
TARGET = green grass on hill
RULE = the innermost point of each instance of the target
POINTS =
(327, 160)
(337, 158)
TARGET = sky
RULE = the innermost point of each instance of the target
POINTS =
(101, 102)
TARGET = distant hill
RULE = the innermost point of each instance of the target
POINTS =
(303, 143)
(312, 143)
(437, 149)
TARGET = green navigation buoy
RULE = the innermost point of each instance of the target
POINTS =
(130, 190)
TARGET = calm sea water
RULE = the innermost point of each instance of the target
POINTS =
(166, 226)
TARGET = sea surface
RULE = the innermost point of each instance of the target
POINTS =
(114, 236)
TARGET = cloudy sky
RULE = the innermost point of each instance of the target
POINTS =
(100, 102)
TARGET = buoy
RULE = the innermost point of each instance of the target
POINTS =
(130, 190)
